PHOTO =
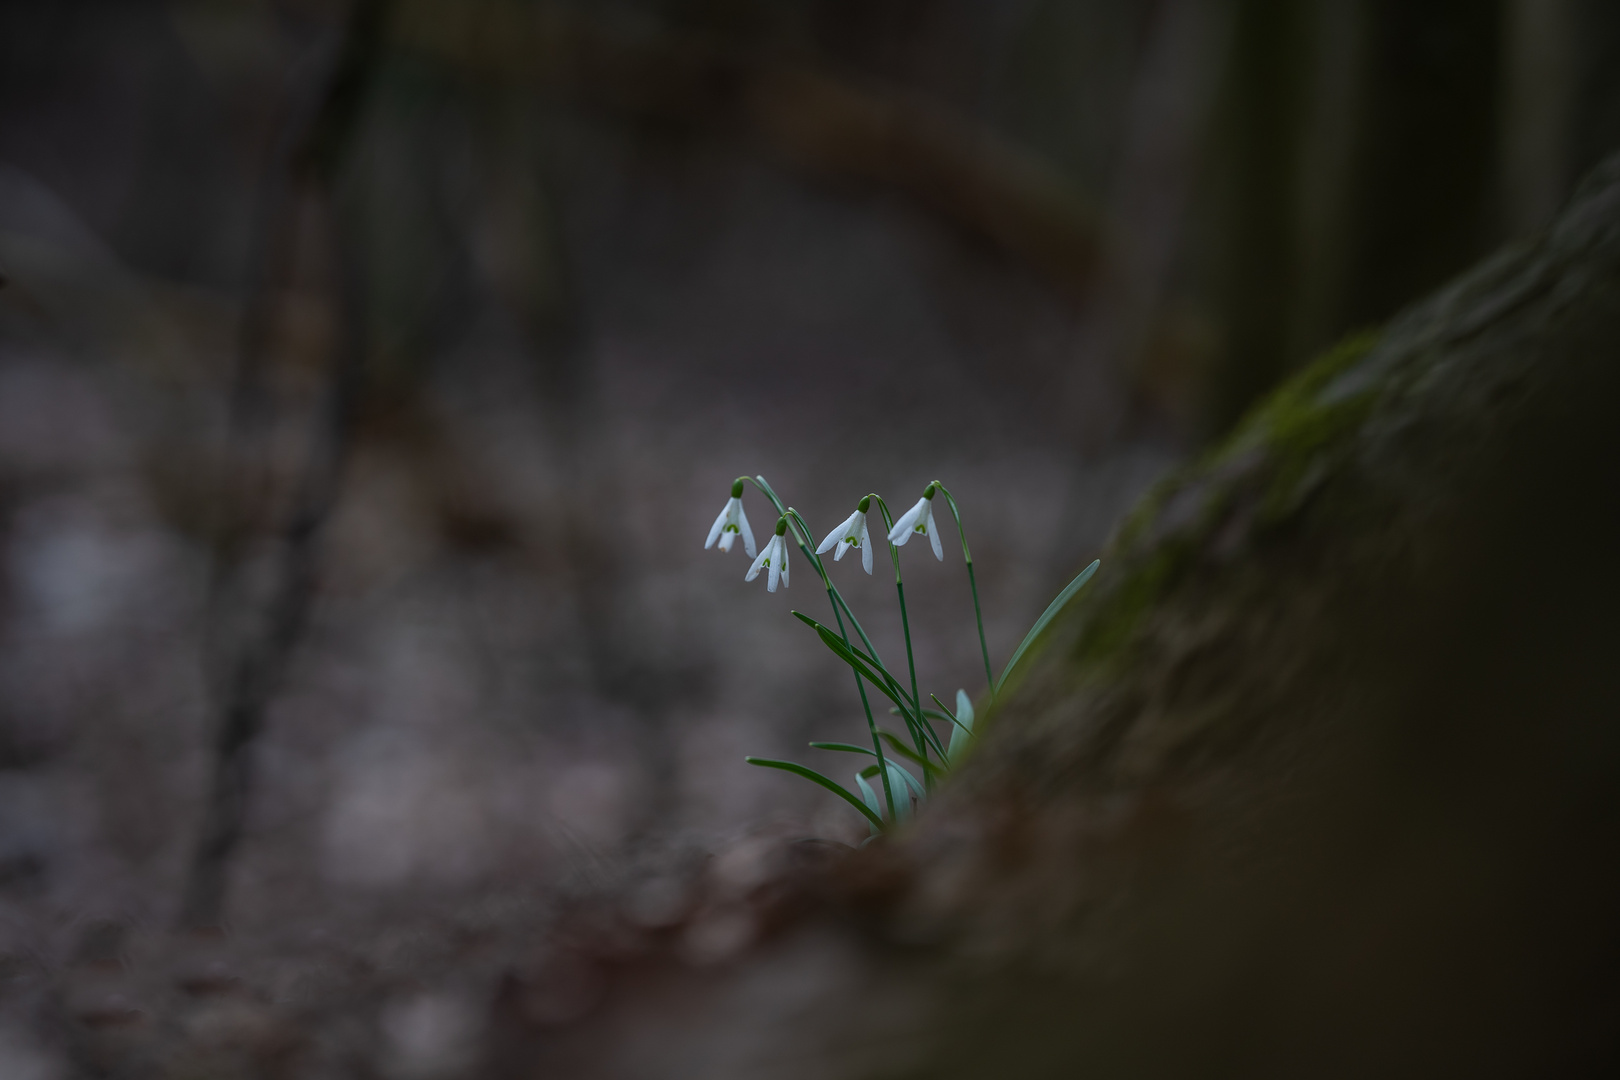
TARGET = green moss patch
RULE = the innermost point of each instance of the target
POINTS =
(1286, 444)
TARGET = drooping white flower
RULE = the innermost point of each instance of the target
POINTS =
(919, 519)
(733, 521)
(774, 558)
(852, 533)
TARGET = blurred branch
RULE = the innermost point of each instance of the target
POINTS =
(809, 119)
(302, 169)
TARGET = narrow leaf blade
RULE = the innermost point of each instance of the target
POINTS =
(901, 749)
(1046, 617)
(844, 747)
(882, 680)
(816, 778)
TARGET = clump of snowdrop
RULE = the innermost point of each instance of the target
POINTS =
(897, 791)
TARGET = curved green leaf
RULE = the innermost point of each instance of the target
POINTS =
(844, 748)
(877, 675)
(1046, 617)
(816, 778)
(900, 748)
(947, 716)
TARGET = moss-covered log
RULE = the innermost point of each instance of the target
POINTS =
(1322, 778)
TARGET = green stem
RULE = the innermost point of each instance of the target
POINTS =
(870, 648)
(800, 535)
(871, 724)
(905, 624)
(973, 584)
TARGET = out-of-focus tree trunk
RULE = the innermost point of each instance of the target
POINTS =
(247, 651)
(1538, 113)
(1595, 53)
(1357, 167)
(1259, 277)
(1424, 168)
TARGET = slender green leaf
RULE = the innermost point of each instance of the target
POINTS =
(917, 731)
(844, 748)
(863, 664)
(909, 754)
(973, 586)
(932, 714)
(871, 649)
(850, 748)
(770, 494)
(963, 718)
(931, 739)
(964, 709)
(903, 779)
(816, 778)
(871, 798)
(948, 716)
(1046, 617)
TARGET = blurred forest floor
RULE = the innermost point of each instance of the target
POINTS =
(371, 374)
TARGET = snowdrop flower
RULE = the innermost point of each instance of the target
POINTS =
(730, 523)
(919, 519)
(852, 533)
(774, 558)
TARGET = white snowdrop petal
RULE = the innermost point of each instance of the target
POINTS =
(866, 549)
(759, 561)
(933, 535)
(837, 534)
(714, 531)
(908, 521)
(747, 533)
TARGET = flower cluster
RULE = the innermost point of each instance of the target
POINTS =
(888, 789)
(852, 533)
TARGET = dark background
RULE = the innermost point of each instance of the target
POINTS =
(369, 377)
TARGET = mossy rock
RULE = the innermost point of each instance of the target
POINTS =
(1323, 775)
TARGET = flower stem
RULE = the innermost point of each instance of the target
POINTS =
(801, 535)
(905, 624)
(973, 584)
